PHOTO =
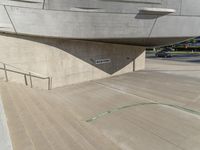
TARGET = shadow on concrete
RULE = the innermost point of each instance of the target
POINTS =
(87, 51)
(128, 1)
(142, 15)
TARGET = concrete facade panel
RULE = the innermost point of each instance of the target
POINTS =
(79, 25)
(173, 4)
(129, 6)
(103, 20)
(114, 6)
(24, 3)
(190, 7)
(5, 23)
(176, 26)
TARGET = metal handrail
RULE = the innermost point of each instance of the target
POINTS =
(21, 69)
(25, 74)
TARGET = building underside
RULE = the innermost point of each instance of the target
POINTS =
(140, 22)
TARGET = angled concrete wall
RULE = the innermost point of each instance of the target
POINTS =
(68, 61)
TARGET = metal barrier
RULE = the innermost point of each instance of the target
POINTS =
(25, 74)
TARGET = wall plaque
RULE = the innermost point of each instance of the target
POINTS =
(102, 61)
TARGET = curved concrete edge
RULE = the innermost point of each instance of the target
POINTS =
(68, 61)
(5, 140)
(89, 26)
(78, 25)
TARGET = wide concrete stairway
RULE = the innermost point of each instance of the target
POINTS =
(135, 111)
(38, 120)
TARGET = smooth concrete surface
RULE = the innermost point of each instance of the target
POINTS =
(117, 6)
(35, 124)
(26, 3)
(174, 67)
(67, 61)
(175, 26)
(128, 113)
(5, 23)
(102, 20)
(193, 8)
(5, 141)
(78, 25)
(151, 127)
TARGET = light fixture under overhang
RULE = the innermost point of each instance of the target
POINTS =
(157, 10)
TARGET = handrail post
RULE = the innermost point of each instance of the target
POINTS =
(25, 74)
(6, 74)
(49, 83)
(25, 79)
(31, 80)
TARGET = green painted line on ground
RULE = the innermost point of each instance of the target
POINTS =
(102, 114)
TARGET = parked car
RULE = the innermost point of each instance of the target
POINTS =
(169, 49)
(163, 53)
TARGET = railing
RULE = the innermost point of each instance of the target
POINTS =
(26, 75)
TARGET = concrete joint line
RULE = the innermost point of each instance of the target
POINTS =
(181, 5)
(100, 115)
(43, 4)
(10, 19)
(153, 26)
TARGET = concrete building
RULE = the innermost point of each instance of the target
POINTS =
(80, 40)
(75, 40)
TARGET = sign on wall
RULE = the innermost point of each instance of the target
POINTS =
(102, 61)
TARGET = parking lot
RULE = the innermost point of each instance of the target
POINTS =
(185, 65)
(194, 58)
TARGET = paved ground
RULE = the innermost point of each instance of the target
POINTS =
(187, 58)
(122, 108)
(193, 58)
(146, 110)
(173, 67)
